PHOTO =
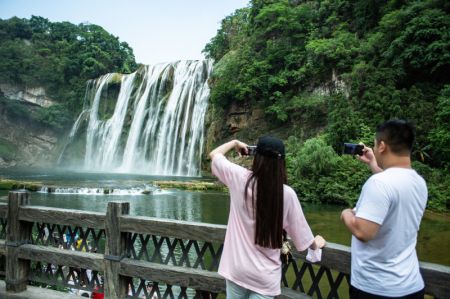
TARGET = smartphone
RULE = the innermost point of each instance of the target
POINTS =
(251, 150)
(353, 149)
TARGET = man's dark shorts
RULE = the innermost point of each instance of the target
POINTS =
(358, 294)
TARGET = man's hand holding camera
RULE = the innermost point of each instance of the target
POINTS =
(368, 157)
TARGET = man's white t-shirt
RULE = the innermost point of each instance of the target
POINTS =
(387, 265)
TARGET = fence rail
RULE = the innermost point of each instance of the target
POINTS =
(130, 257)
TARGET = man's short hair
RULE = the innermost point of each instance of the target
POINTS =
(398, 134)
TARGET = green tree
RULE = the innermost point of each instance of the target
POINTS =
(417, 41)
(316, 158)
(440, 135)
(340, 67)
(60, 57)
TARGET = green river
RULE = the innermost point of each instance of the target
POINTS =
(80, 192)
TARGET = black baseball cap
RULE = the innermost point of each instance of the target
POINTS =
(270, 147)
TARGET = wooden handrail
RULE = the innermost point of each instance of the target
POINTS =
(181, 276)
(62, 216)
(334, 256)
(173, 228)
(55, 256)
(437, 279)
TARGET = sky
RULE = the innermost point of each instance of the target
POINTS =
(157, 30)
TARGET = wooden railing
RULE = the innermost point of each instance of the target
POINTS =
(141, 257)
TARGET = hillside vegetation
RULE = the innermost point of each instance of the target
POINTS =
(60, 57)
(343, 66)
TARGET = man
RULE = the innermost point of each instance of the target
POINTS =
(386, 219)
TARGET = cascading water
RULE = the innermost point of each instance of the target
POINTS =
(157, 124)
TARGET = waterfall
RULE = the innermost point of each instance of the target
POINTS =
(72, 133)
(148, 122)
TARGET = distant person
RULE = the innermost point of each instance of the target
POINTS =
(149, 289)
(45, 234)
(78, 243)
(386, 219)
(97, 292)
(72, 281)
(261, 207)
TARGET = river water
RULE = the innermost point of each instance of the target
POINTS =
(85, 191)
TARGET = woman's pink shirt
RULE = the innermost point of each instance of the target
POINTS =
(243, 262)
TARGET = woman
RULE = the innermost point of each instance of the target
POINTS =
(261, 207)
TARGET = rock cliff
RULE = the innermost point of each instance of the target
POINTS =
(23, 142)
(33, 95)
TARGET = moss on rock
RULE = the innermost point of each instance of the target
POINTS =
(13, 185)
(192, 185)
(116, 79)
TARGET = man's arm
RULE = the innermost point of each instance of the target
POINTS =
(369, 158)
(363, 230)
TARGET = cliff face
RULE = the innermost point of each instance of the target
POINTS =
(23, 142)
(34, 95)
(237, 121)
(247, 121)
(25, 145)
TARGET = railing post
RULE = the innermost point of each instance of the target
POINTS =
(115, 286)
(17, 233)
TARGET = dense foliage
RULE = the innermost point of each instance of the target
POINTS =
(348, 64)
(60, 57)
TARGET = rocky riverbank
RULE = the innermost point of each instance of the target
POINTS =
(191, 185)
(6, 184)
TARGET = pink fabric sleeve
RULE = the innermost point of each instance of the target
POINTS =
(295, 222)
(226, 171)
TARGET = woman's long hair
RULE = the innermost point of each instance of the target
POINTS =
(269, 175)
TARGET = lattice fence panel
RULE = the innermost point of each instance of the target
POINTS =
(141, 288)
(63, 278)
(174, 251)
(3, 223)
(3, 228)
(315, 280)
(67, 237)
(2, 267)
